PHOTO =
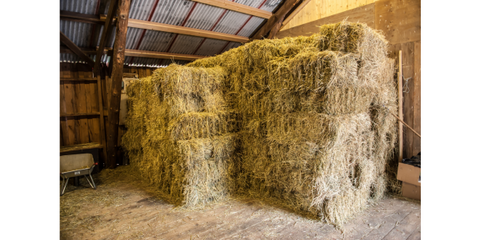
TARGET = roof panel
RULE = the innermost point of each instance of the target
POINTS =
(156, 41)
(141, 9)
(175, 12)
(172, 11)
(211, 47)
(80, 6)
(185, 44)
(78, 32)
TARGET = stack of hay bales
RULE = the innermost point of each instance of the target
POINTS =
(312, 131)
(178, 134)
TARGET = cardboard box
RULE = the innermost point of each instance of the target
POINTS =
(408, 173)
(411, 191)
(410, 176)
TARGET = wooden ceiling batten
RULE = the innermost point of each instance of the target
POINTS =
(135, 23)
(80, 17)
(162, 55)
(237, 7)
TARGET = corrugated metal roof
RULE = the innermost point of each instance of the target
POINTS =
(175, 12)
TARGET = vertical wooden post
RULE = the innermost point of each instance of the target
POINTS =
(117, 72)
(105, 35)
(102, 123)
(400, 107)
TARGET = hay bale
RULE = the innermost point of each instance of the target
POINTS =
(179, 133)
(296, 121)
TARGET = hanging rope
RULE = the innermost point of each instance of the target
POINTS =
(405, 85)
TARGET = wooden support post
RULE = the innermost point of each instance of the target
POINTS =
(103, 139)
(105, 35)
(117, 72)
(400, 107)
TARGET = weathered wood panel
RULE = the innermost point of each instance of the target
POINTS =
(81, 127)
(317, 9)
(78, 97)
(417, 98)
(408, 93)
(63, 122)
(399, 20)
(365, 14)
(69, 103)
(91, 105)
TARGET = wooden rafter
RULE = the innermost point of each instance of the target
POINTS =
(135, 23)
(294, 13)
(237, 7)
(80, 17)
(72, 46)
(117, 73)
(138, 53)
(90, 51)
(162, 55)
(105, 35)
(276, 19)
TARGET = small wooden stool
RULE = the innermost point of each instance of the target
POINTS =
(76, 165)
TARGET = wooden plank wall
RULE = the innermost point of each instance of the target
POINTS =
(82, 97)
(78, 97)
(400, 21)
(318, 9)
(361, 14)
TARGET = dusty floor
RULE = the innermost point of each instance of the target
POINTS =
(122, 208)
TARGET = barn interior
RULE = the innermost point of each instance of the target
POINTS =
(258, 119)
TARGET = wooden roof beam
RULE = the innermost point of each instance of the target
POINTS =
(80, 17)
(138, 53)
(237, 7)
(135, 23)
(65, 40)
(274, 23)
(162, 55)
(88, 51)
